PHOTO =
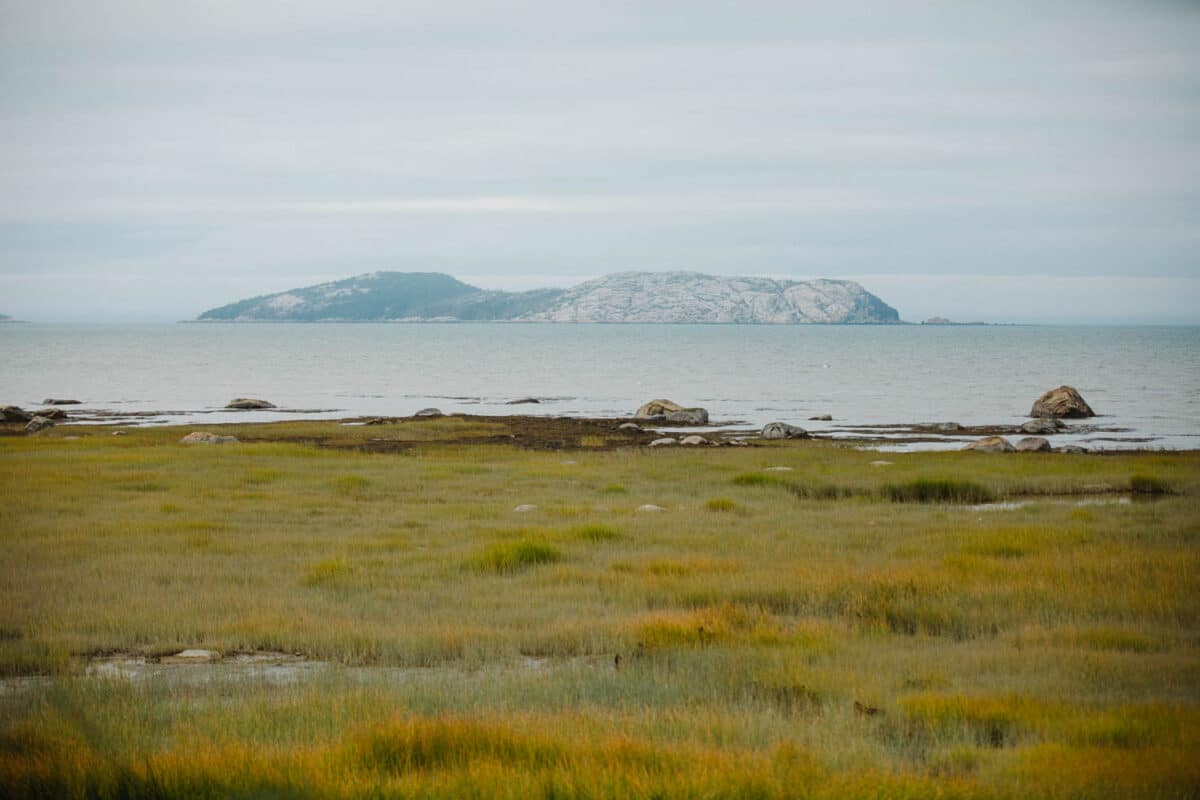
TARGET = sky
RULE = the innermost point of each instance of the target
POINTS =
(998, 161)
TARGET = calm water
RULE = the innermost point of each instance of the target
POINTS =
(1146, 379)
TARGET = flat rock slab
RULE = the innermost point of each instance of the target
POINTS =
(192, 657)
(203, 437)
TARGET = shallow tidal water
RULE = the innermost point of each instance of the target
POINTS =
(1143, 381)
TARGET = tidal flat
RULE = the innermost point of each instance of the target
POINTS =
(800, 619)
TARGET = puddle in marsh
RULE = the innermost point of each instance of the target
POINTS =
(1016, 505)
(283, 669)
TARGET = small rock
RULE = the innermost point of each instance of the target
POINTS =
(881, 463)
(119, 433)
(70, 438)
(52, 401)
(14, 414)
(1072, 449)
(1065, 401)
(568, 462)
(429, 412)
(693, 440)
(782, 430)
(524, 507)
(201, 437)
(248, 404)
(38, 424)
(523, 401)
(778, 469)
(688, 416)
(628, 426)
(1043, 425)
(738, 443)
(664, 441)
(650, 508)
(822, 418)
(1034, 444)
(991, 444)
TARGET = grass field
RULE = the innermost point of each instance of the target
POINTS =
(834, 630)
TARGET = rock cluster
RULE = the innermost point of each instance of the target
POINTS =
(672, 413)
(14, 414)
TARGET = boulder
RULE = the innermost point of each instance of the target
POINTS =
(1034, 444)
(628, 426)
(991, 444)
(1065, 401)
(248, 404)
(688, 416)
(664, 441)
(202, 437)
(38, 424)
(429, 412)
(822, 418)
(1042, 425)
(657, 408)
(523, 401)
(192, 657)
(692, 441)
(1071, 449)
(56, 414)
(14, 414)
(53, 401)
(782, 430)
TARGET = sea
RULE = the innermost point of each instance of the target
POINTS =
(1143, 382)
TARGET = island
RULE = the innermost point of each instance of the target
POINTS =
(625, 297)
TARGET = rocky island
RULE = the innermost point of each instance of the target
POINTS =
(625, 297)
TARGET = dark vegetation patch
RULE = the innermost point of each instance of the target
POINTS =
(938, 490)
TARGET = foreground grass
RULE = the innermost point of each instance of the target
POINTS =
(835, 630)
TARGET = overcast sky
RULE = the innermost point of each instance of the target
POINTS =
(1004, 161)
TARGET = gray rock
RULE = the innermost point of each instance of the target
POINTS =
(248, 404)
(663, 442)
(429, 412)
(1072, 449)
(202, 437)
(1042, 426)
(688, 416)
(782, 430)
(692, 441)
(1034, 444)
(525, 508)
(52, 401)
(14, 414)
(192, 657)
(991, 444)
(1065, 401)
(822, 418)
(523, 401)
(56, 414)
(947, 426)
(629, 426)
(38, 424)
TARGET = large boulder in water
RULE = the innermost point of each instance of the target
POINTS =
(248, 404)
(657, 408)
(1065, 401)
(782, 430)
(688, 416)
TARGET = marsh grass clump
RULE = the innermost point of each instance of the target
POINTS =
(351, 484)
(757, 479)
(813, 491)
(507, 557)
(939, 490)
(597, 533)
(720, 504)
(327, 572)
(615, 488)
(1148, 484)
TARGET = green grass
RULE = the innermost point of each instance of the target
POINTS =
(1045, 649)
